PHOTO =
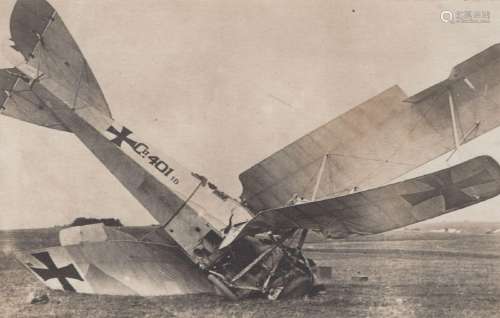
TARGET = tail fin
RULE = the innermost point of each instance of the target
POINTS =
(51, 53)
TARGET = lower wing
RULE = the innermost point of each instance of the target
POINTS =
(101, 260)
(385, 208)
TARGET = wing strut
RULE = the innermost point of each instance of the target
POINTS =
(179, 209)
(318, 178)
(460, 141)
(453, 119)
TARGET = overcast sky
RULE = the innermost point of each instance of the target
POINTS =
(220, 85)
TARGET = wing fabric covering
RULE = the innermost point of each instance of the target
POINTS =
(114, 263)
(116, 268)
(42, 38)
(391, 206)
(381, 139)
(474, 86)
(18, 101)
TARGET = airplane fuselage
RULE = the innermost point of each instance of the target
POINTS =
(189, 209)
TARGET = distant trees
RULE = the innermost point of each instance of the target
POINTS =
(85, 221)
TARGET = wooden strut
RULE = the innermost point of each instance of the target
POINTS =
(318, 178)
(166, 223)
(453, 119)
(459, 142)
(259, 258)
(466, 135)
(268, 279)
(302, 238)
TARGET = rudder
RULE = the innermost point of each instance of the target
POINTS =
(51, 54)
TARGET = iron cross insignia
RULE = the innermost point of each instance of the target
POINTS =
(121, 136)
(52, 271)
(452, 192)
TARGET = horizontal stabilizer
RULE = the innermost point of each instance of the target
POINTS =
(18, 101)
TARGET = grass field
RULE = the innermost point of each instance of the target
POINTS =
(409, 275)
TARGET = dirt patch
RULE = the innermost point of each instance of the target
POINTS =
(419, 283)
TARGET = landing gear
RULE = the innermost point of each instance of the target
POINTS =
(258, 267)
(222, 288)
(297, 287)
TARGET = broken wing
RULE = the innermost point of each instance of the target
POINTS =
(389, 207)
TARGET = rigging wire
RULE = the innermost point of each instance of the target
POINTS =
(370, 159)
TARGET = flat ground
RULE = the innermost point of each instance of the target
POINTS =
(409, 274)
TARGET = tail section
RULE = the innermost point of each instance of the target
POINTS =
(18, 101)
(55, 88)
(51, 52)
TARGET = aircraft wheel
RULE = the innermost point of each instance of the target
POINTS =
(221, 287)
(297, 287)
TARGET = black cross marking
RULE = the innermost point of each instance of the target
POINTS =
(453, 194)
(68, 271)
(121, 136)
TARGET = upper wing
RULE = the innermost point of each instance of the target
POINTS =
(381, 139)
(42, 38)
(391, 206)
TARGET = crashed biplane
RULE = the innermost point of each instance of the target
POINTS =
(206, 241)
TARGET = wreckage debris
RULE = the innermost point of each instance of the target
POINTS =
(37, 297)
(360, 278)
